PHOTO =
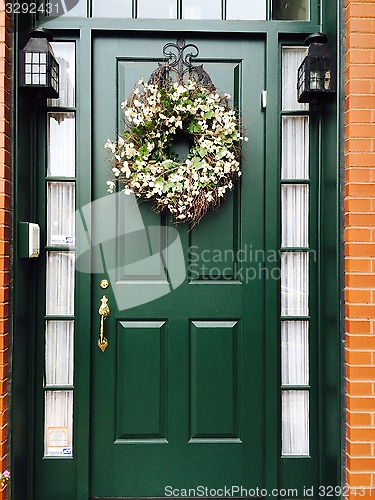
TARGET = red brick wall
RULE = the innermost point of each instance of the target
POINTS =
(360, 244)
(4, 231)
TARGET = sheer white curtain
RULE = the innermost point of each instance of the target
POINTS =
(295, 150)
(294, 215)
(61, 144)
(295, 353)
(291, 60)
(295, 418)
(295, 284)
(58, 423)
(60, 213)
(59, 352)
(60, 283)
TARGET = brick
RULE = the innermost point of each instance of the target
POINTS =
(357, 265)
(359, 449)
(4, 341)
(361, 404)
(360, 220)
(360, 341)
(353, 373)
(354, 249)
(357, 205)
(354, 234)
(359, 86)
(357, 326)
(351, 295)
(358, 144)
(360, 25)
(353, 357)
(361, 435)
(358, 101)
(359, 71)
(362, 160)
(356, 419)
(357, 388)
(361, 40)
(361, 464)
(358, 480)
(357, 177)
(359, 311)
(358, 56)
(360, 280)
(358, 115)
(361, 9)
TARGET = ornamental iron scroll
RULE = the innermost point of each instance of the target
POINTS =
(180, 64)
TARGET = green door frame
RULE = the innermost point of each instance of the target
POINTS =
(27, 353)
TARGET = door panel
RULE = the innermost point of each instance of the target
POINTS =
(177, 396)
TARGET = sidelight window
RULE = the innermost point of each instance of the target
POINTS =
(60, 258)
(295, 261)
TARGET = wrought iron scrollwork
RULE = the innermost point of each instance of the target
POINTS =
(180, 64)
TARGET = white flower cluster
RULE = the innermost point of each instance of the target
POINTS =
(142, 161)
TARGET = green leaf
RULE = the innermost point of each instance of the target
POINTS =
(194, 127)
(143, 151)
(202, 152)
(196, 163)
(222, 152)
(209, 114)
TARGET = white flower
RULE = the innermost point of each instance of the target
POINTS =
(111, 186)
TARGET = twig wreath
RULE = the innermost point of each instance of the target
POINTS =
(142, 160)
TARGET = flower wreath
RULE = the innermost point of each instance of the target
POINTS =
(141, 157)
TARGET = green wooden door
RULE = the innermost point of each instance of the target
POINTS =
(177, 397)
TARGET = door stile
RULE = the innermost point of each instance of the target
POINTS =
(271, 328)
(85, 329)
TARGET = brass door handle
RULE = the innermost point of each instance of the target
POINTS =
(103, 312)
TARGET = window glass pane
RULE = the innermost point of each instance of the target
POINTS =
(60, 283)
(251, 9)
(295, 423)
(61, 144)
(294, 353)
(294, 284)
(295, 147)
(59, 352)
(58, 423)
(65, 56)
(198, 9)
(112, 8)
(294, 215)
(291, 60)
(150, 9)
(291, 10)
(60, 213)
(71, 8)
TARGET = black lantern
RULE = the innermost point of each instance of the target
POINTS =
(317, 73)
(39, 69)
